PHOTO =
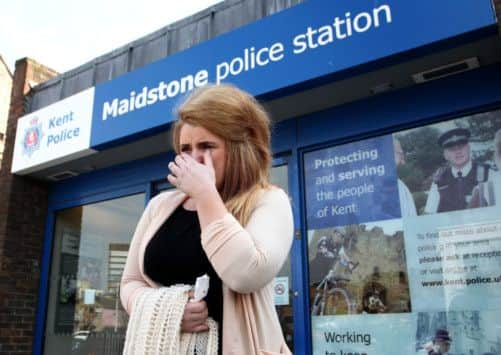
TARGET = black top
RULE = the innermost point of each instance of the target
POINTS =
(175, 256)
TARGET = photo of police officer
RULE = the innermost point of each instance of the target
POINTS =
(441, 343)
(453, 183)
(452, 165)
(469, 332)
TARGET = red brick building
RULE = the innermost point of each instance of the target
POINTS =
(23, 203)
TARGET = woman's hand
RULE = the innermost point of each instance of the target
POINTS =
(198, 181)
(190, 176)
(195, 316)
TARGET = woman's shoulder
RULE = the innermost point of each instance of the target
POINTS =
(166, 195)
(274, 194)
(165, 198)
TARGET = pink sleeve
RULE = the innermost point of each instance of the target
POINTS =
(247, 259)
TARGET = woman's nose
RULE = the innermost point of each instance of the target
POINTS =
(198, 155)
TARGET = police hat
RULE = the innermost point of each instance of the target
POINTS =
(442, 334)
(325, 242)
(456, 136)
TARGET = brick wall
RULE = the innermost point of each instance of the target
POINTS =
(23, 207)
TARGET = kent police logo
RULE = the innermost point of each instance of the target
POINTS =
(32, 137)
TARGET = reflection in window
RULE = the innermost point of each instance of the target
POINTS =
(90, 248)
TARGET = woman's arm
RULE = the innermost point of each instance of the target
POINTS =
(247, 259)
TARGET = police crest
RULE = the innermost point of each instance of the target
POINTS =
(32, 137)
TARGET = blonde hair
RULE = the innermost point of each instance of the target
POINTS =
(236, 117)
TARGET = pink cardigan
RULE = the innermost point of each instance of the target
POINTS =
(246, 259)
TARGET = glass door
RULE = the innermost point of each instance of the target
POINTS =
(91, 242)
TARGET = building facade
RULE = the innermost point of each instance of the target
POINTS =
(5, 89)
(23, 206)
(385, 137)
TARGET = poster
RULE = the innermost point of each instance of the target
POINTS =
(404, 241)
(351, 184)
(458, 332)
(359, 334)
(281, 291)
(359, 269)
(458, 266)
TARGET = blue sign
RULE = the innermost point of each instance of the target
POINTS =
(309, 41)
(351, 184)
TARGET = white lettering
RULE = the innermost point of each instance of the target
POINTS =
(250, 59)
(299, 44)
(150, 96)
(110, 109)
(201, 78)
(124, 107)
(173, 88)
(141, 98)
(341, 28)
(368, 22)
(277, 52)
(375, 14)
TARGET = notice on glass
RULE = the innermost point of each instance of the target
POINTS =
(352, 184)
(459, 267)
(362, 335)
(281, 291)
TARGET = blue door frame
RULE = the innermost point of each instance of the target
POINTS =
(459, 95)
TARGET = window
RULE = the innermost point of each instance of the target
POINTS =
(404, 239)
(90, 247)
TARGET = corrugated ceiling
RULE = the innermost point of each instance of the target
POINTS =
(206, 24)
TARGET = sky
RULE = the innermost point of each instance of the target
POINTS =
(66, 34)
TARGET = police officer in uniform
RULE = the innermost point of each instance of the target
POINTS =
(453, 184)
(441, 343)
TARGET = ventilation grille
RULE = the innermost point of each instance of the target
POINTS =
(446, 70)
(62, 175)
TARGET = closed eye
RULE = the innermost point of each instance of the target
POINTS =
(206, 145)
(185, 148)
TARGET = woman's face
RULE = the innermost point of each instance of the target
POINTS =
(195, 140)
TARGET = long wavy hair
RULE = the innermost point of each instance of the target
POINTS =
(236, 117)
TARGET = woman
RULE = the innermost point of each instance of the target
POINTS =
(223, 211)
